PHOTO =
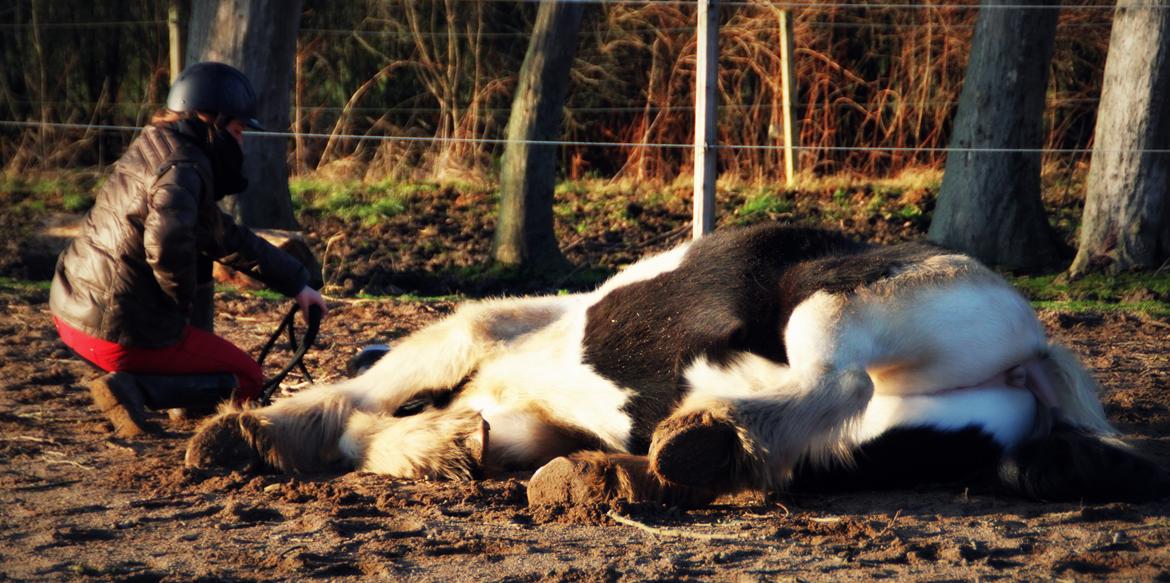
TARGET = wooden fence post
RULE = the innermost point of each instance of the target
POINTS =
(175, 38)
(787, 96)
(706, 82)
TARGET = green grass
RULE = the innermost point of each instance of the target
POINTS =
(1095, 287)
(24, 286)
(77, 202)
(764, 204)
(369, 203)
(1127, 292)
(70, 191)
(1151, 308)
(410, 297)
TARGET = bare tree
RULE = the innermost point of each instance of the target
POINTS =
(259, 38)
(524, 234)
(989, 205)
(1126, 224)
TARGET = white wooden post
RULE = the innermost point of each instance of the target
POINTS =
(706, 75)
(787, 96)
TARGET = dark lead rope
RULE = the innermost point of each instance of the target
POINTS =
(289, 323)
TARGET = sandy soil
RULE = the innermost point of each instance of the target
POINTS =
(78, 504)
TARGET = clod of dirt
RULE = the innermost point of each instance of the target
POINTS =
(1120, 511)
(403, 528)
(964, 553)
(590, 479)
(73, 534)
(246, 512)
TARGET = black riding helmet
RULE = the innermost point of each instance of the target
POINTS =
(215, 87)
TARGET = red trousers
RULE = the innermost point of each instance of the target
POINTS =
(198, 352)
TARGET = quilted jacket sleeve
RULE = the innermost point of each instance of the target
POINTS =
(169, 233)
(239, 248)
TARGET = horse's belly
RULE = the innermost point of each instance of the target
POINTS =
(1005, 413)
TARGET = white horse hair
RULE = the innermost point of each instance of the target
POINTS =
(756, 357)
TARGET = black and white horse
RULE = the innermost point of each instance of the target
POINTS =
(767, 357)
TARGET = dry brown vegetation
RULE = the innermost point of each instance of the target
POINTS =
(442, 72)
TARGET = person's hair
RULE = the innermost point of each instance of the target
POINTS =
(166, 116)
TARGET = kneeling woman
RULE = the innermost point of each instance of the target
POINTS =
(124, 290)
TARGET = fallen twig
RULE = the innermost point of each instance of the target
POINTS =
(30, 438)
(671, 532)
(68, 462)
(285, 553)
(888, 526)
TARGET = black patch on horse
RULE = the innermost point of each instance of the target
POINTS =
(733, 292)
(906, 457)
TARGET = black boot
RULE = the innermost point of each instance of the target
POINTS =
(197, 393)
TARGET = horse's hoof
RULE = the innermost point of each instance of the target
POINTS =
(697, 452)
(220, 443)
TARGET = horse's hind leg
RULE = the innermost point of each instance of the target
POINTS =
(749, 421)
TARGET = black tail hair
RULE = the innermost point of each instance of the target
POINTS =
(1071, 464)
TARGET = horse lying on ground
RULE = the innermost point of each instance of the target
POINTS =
(770, 357)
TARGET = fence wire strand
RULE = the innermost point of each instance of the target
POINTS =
(577, 143)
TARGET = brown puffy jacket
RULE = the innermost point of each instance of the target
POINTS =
(130, 276)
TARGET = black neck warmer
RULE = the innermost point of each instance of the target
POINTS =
(227, 158)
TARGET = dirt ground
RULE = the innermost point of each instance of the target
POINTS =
(76, 503)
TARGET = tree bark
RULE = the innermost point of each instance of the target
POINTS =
(257, 37)
(989, 205)
(1126, 224)
(524, 235)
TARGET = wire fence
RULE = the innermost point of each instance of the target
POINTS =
(588, 144)
(857, 118)
(1054, 100)
(410, 35)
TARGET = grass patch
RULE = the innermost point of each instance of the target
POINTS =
(592, 207)
(264, 294)
(1126, 287)
(410, 298)
(1127, 292)
(38, 193)
(24, 286)
(267, 294)
(369, 203)
(77, 202)
(1152, 308)
(911, 179)
(764, 204)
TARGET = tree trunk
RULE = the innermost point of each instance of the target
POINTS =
(524, 235)
(1126, 225)
(257, 37)
(989, 205)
